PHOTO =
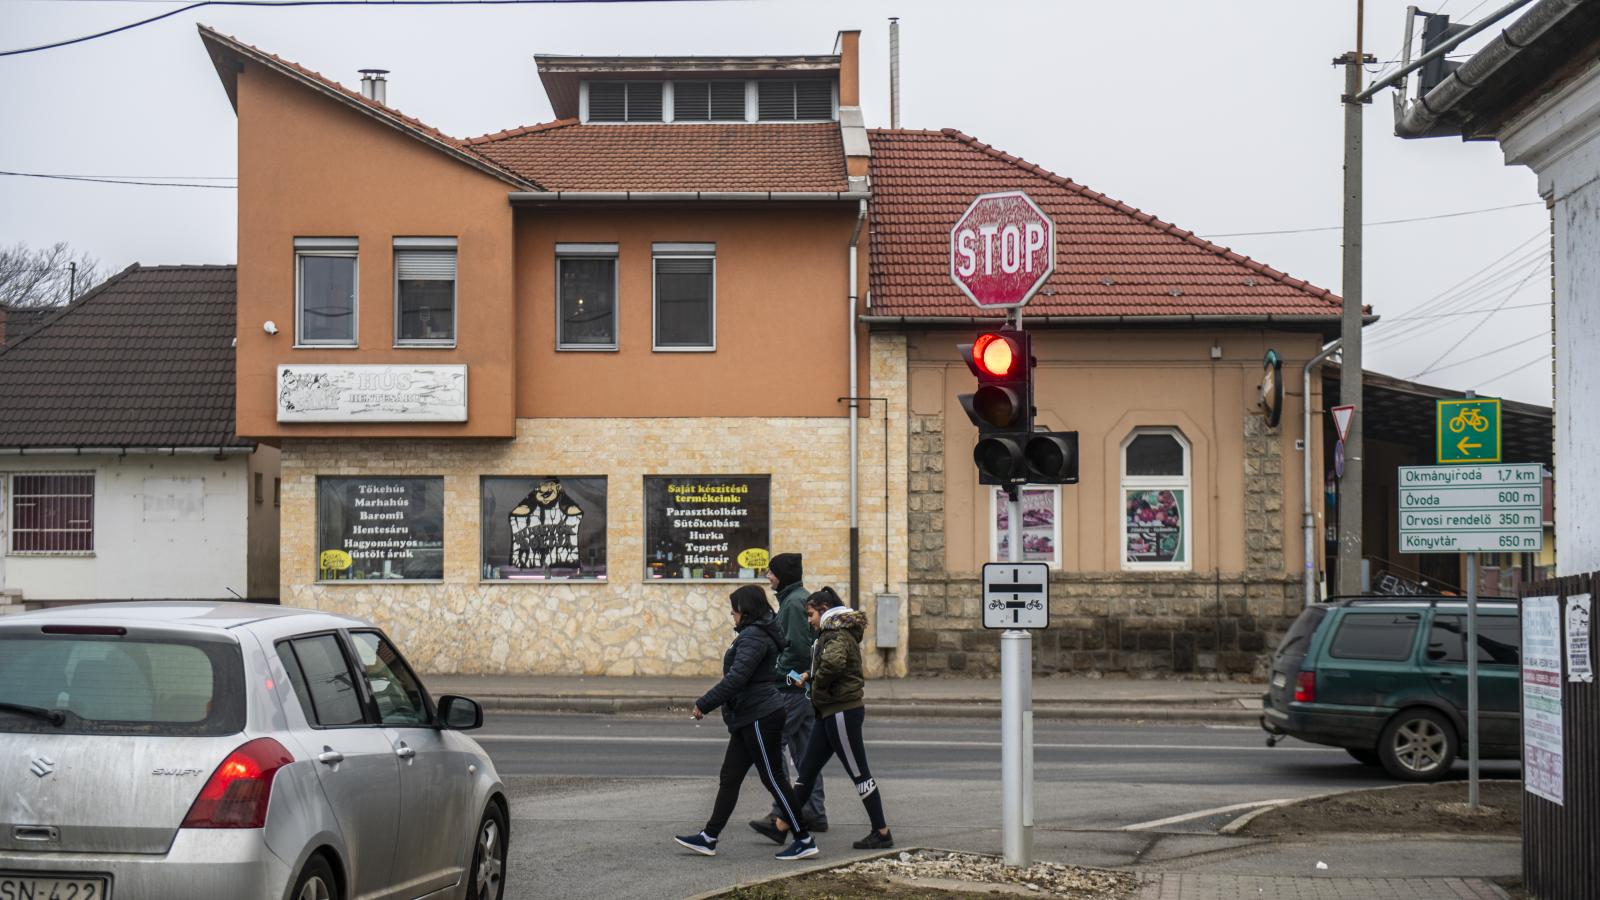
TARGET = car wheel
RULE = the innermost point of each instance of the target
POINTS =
(316, 882)
(1418, 745)
(1364, 756)
(487, 880)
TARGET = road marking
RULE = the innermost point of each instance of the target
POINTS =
(884, 742)
(1200, 814)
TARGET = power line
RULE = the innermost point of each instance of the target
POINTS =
(1465, 288)
(1464, 312)
(1543, 335)
(1543, 357)
(286, 3)
(1474, 329)
(1451, 215)
(215, 187)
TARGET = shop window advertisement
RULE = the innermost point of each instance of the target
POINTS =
(380, 529)
(707, 526)
(1041, 528)
(1155, 525)
(543, 528)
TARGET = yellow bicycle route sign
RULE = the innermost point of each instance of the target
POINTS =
(1468, 430)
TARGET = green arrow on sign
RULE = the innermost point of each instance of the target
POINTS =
(1468, 430)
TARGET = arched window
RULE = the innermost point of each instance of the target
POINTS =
(1156, 500)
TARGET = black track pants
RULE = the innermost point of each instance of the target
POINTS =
(840, 735)
(760, 744)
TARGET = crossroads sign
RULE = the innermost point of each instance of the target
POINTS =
(1469, 509)
(1468, 430)
(1016, 595)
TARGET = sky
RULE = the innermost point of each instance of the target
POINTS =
(1222, 117)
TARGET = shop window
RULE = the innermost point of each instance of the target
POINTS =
(586, 289)
(543, 528)
(685, 296)
(791, 101)
(707, 526)
(52, 512)
(1156, 500)
(624, 101)
(1041, 525)
(425, 291)
(325, 291)
(380, 529)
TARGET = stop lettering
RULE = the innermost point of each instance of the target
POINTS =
(1002, 249)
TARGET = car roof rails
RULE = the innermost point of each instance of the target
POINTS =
(1432, 600)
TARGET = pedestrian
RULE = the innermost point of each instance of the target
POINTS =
(836, 685)
(748, 698)
(784, 572)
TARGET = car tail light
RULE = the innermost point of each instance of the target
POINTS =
(236, 795)
(1305, 687)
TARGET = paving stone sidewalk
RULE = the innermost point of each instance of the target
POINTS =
(1197, 886)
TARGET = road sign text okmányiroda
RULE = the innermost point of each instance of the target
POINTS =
(1468, 509)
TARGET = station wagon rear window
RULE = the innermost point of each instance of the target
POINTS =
(116, 684)
(1375, 635)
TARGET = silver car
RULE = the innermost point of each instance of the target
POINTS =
(231, 750)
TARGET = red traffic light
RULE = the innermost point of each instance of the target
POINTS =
(996, 355)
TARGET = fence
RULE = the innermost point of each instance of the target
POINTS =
(1561, 841)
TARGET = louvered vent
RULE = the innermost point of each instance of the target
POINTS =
(813, 100)
(727, 101)
(644, 101)
(788, 101)
(776, 100)
(691, 101)
(608, 101)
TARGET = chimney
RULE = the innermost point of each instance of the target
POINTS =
(894, 71)
(852, 126)
(374, 86)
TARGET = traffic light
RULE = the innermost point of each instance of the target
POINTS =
(1436, 30)
(1002, 406)
(1052, 457)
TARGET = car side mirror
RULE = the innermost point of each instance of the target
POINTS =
(459, 713)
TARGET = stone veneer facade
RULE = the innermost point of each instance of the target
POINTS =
(1212, 623)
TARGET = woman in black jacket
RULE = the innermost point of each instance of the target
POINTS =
(753, 712)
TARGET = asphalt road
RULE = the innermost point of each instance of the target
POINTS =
(596, 799)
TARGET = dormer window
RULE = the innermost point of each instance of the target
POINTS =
(708, 101)
(624, 101)
(791, 101)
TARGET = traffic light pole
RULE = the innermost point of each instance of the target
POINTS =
(1016, 704)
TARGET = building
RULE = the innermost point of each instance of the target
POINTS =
(121, 474)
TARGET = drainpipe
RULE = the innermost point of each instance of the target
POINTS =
(1309, 518)
(855, 404)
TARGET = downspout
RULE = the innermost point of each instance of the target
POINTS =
(855, 405)
(1309, 518)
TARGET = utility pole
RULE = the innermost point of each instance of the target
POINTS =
(1349, 575)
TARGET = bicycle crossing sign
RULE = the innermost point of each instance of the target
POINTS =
(1468, 430)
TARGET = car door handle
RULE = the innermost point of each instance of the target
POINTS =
(1445, 677)
(330, 756)
(404, 752)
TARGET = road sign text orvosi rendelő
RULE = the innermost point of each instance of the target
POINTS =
(1466, 509)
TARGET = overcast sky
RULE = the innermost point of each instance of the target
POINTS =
(1221, 116)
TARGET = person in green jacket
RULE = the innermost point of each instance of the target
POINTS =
(784, 572)
(837, 686)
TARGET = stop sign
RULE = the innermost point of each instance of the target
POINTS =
(1002, 249)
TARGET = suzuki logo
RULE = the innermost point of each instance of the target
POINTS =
(42, 766)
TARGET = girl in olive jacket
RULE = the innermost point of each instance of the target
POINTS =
(837, 685)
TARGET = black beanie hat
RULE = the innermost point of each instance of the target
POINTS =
(787, 567)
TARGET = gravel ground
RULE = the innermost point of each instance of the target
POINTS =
(1417, 808)
(1047, 879)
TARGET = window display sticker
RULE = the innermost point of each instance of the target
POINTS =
(1039, 532)
(1541, 698)
(1155, 525)
(380, 529)
(707, 526)
(543, 528)
(1579, 631)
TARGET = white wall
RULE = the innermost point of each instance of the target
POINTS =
(166, 527)
(1559, 138)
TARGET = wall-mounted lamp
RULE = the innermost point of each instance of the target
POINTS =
(269, 326)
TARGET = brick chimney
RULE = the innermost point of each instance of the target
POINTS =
(852, 125)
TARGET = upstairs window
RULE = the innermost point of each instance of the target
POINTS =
(425, 291)
(325, 291)
(708, 101)
(791, 101)
(686, 296)
(624, 101)
(586, 296)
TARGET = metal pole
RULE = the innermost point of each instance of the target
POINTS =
(894, 71)
(1472, 673)
(1309, 520)
(1349, 582)
(1015, 650)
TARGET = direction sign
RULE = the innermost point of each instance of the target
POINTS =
(1468, 509)
(1341, 420)
(1469, 430)
(1016, 595)
(1002, 249)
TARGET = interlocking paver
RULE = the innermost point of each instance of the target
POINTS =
(1198, 886)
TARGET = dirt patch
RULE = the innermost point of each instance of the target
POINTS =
(940, 875)
(1414, 808)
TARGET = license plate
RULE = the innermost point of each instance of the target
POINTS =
(52, 887)
(1279, 680)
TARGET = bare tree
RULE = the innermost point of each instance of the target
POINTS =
(30, 279)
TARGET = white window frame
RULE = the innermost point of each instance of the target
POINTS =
(995, 494)
(435, 244)
(1184, 482)
(681, 251)
(593, 251)
(348, 248)
(10, 496)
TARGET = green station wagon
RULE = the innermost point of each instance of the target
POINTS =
(1386, 679)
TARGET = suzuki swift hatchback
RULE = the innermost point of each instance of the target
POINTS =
(208, 750)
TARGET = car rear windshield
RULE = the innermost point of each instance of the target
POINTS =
(118, 684)
(1299, 637)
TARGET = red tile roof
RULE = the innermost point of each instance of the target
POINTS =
(1111, 259)
(566, 156)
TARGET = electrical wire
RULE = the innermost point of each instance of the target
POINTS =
(1541, 358)
(215, 187)
(1464, 312)
(1474, 329)
(284, 3)
(1475, 282)
(1543, 335)
(1450, 215)
(1426, 323)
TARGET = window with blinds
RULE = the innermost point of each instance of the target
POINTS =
(52, 512)
(325, 291)
(425, 291)
(624, 101)
(685, 296)
(708, 101)
(790, 101)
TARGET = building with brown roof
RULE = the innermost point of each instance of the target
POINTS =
(122, 476)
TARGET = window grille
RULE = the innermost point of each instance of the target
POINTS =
(52, 512)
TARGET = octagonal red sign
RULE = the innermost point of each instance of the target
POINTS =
(1002, 249)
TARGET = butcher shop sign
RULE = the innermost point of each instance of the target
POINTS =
(372, 393)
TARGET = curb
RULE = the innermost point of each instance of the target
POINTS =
(924, 710)
(1237, 825)
(799, 871)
